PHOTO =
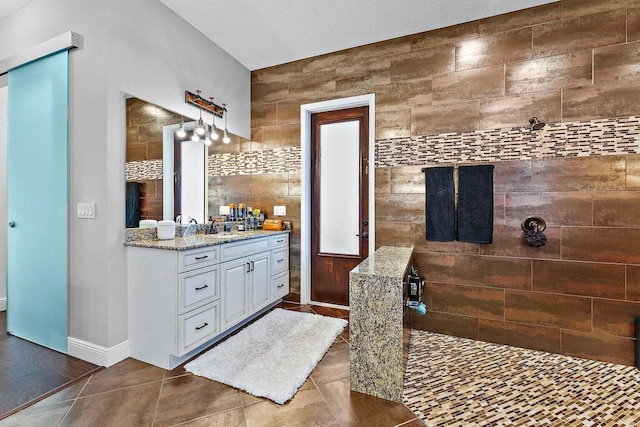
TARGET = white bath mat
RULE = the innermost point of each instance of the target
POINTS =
(272, 357)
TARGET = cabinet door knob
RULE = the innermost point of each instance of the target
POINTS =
(248, 268)
(12, 224)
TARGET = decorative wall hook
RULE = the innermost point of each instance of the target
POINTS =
(534, 227)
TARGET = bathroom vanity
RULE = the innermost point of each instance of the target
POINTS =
(187, 293)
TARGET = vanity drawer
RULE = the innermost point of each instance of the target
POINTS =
(279, 260)
(231, 251)
(280, 241)
(197, 258)
(198, 287)
(199, 326)
(280, 286)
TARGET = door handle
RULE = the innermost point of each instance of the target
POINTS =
(364, 235)
(248, 268)
(252, 266)
(12, 224)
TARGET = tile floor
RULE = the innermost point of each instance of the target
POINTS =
(132, 393)
(454, 381)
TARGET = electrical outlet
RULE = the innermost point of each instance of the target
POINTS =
(224, 210)
(280, 210)
(86, 210)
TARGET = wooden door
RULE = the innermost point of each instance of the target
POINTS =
(339, 200)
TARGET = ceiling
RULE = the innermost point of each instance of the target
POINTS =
(260, 34)
(8, 6)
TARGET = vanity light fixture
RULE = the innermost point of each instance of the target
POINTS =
(226, 138)
(181, 133)
(201, 130)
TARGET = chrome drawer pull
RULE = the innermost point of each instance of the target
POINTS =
(202, 326)
(198, 258)
(281, 286)
(280, 260)
(202, 287)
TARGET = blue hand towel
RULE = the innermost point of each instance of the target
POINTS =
(440, 204)
(475, 203)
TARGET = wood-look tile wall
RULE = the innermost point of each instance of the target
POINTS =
(577, 295)
(566, 61)
(144, 142)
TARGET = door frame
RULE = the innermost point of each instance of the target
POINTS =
(306, 110)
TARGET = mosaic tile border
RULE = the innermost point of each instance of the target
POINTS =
(259, 162)
(570, 139)
(452, 381)
(146, 169)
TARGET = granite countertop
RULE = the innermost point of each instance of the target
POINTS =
(386, 261)
(201, 240)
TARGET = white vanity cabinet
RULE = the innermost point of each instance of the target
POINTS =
(181, 301)
(245, 281)
(279, 266)
(174, 302)
(245, 287)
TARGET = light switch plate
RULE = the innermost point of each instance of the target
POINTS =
(86, 210)
(280, 210)
(224, 210)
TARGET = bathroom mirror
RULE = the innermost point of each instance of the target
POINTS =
(167, 176)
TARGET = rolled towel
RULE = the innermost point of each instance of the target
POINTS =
(535, 238)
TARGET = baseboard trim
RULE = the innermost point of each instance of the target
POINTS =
(3, 304)
(326, 304)
(96, 354)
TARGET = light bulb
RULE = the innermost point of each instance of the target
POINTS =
(226, 138)
(214, 134)
(180, 133)
(200, 127)
(207, 141)
(195, 137)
